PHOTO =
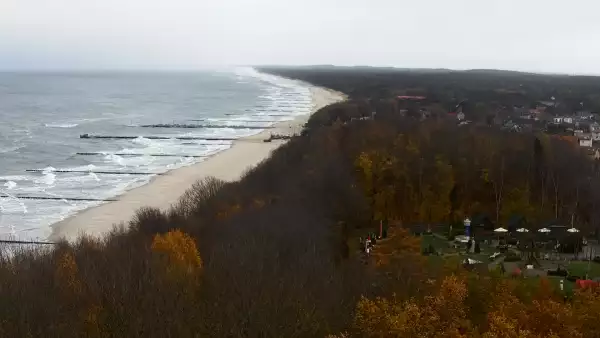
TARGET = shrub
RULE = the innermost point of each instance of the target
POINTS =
(150, 221)
(512, 257)
(198, 196)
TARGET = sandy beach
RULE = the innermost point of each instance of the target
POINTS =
(164, 190)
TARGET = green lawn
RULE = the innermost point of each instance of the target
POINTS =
(581, 268)
(438, 243)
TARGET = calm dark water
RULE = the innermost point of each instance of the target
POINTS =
(43, 115)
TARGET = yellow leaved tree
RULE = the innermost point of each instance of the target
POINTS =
(440, 315)
(66, 274)
(177, 252)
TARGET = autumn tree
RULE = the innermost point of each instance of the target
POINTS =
(177, 253)
(439, 315)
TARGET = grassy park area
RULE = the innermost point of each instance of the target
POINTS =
(580, 268)
(444, 247)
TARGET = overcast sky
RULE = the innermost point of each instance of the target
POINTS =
(548, 36)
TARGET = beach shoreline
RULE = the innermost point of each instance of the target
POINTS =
(162, 191)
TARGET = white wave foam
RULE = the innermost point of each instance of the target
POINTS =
(142, 141)
(16, 178)
(10, 185)
(135, 162)
(61, 125)
(11, 205)
(87, 167)
(48, 178)
(115, 159)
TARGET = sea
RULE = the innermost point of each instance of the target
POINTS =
(48, 172)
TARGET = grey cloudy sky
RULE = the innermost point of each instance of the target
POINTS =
(550, 35)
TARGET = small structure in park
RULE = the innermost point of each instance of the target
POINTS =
(554, 226)
(467, 224)
(411, 98)
(585, 142)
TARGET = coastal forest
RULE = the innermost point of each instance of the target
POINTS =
(277, 253)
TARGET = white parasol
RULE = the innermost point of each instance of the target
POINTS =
(573, 230)
(500, 230)
(472, 261)
(545, 230)
(522, 230)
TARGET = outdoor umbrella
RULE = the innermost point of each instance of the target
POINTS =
(498, 231)
(522, 230)
(573, 230)
(472, 261)
(545, 230)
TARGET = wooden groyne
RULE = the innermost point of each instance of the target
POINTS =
(262, 115)
(202, 126)
(52, 198)
(278, 137)
(140, 155)
(25, 242)
(255, 121)
(92, 172)
(188, 138)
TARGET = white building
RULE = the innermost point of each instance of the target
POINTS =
(585, 143)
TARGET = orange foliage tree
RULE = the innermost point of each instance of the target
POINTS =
(66, 274)
(439, 315)
(178, 252)
(512, 310)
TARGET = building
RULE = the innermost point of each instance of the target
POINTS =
(528, 116)
(547, 103)
(411, 98)
(511, 126)
(584, 142)
(518, 109)
(584, 115)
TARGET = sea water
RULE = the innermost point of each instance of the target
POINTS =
(42, 116)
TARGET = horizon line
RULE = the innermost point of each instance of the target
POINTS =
(220, 67)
